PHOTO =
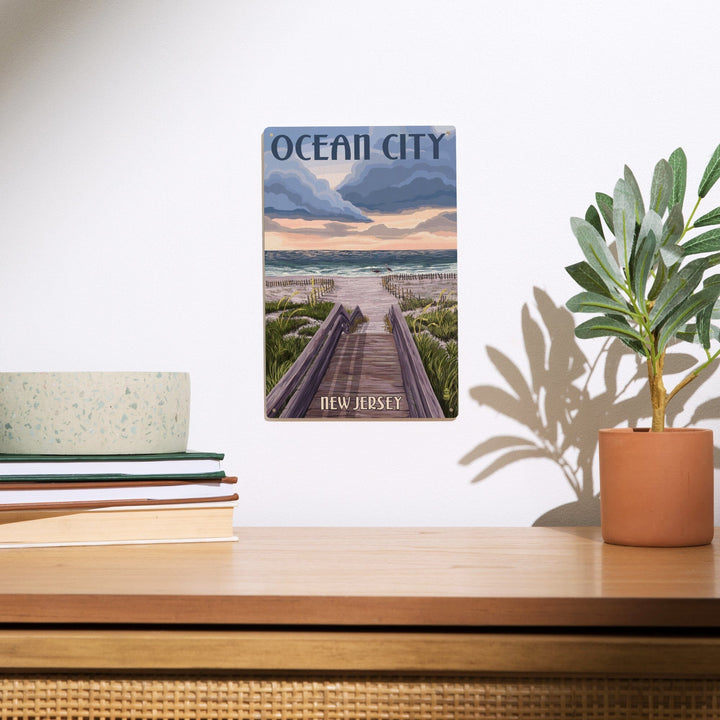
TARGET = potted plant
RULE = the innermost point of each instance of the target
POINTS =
(652, 285)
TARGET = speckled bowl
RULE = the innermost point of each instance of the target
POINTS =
(94, 413)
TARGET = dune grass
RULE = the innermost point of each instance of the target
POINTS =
(435, 331)
(288, 333)
(441, 365)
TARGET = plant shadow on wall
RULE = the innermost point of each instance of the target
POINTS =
(566, 397)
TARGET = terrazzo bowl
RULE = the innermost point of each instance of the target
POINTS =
(94, 413)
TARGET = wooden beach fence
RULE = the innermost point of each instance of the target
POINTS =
(292, 396)
(421, 276)
(421, 399)
(324, 283)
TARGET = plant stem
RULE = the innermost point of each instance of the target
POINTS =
(692, 375)
(690, 219)
(658, 394)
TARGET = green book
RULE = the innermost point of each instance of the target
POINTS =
(187, 464)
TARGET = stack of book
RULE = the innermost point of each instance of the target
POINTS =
(48, 500)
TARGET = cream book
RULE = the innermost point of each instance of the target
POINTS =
(182, 523)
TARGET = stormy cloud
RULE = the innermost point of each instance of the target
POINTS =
(381, 185)
(294, 192)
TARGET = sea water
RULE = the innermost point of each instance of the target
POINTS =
(352, 263)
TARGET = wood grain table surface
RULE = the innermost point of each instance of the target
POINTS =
(374, 577)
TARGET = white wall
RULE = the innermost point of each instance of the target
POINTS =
(130, 204)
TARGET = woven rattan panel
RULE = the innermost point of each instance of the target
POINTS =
(351, 698)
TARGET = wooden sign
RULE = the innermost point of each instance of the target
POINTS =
(360, 266)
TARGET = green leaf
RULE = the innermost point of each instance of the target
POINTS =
(589, 302)
(593, 217)
(704, 317)
(703, 326)
(677, 290)
(672, 255)
(607, 327)
(711, 260)
(711, 174)
(624, 214)
(678, 163)
(598, 254)
(689, 333)
(711, 218)
(672, 232)
(635, 345)
(643, 262)
(605, 205)
(673, 227)
(707, 242)
(635, 188)
(689, 308)
(587, 278)
(652, 223)
(661, 187)
(661, 276)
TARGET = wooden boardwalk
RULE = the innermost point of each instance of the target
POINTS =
(363, 380)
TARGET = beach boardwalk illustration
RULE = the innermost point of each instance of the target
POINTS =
(360, 254)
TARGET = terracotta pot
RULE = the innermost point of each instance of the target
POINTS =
(656, 489)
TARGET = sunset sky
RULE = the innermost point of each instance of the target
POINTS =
(376, 204)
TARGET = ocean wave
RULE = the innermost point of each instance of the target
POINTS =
(359, 262)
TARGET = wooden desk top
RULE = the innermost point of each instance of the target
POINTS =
(375, 577)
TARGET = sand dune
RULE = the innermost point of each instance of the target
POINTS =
(365, 291)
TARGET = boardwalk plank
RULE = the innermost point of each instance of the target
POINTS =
(363, 375)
